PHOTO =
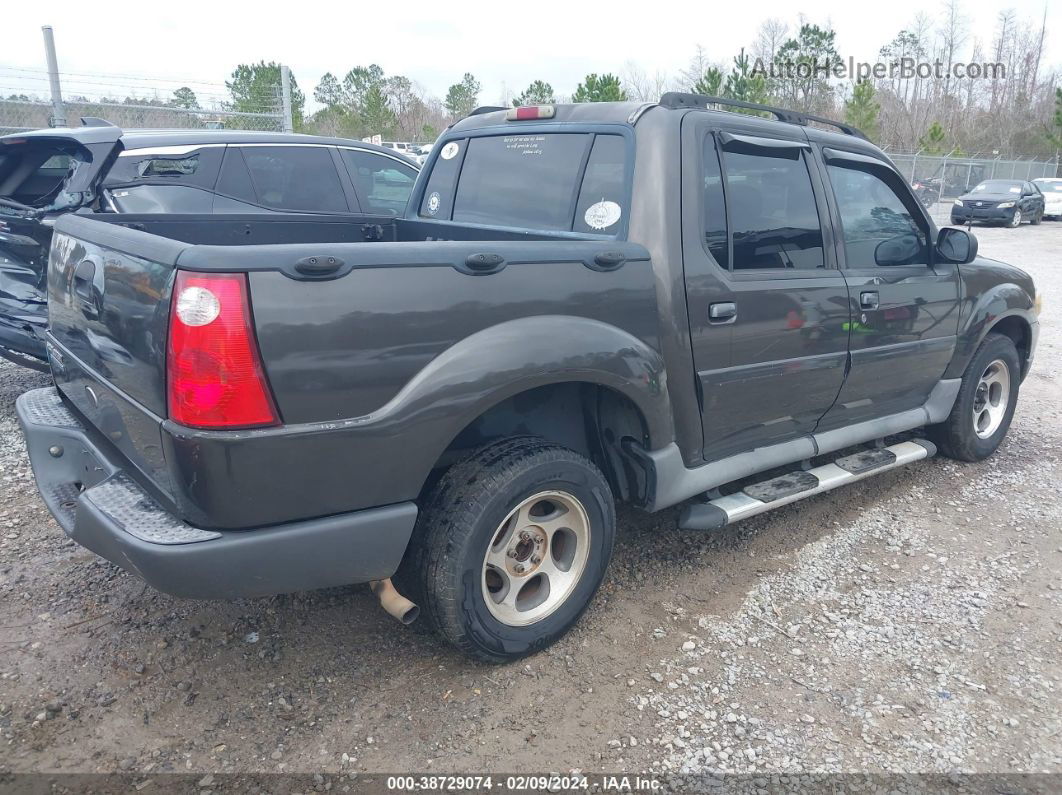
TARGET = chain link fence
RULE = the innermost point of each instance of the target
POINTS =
(29, 100)
(939, 179)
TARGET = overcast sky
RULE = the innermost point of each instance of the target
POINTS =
(505, 45)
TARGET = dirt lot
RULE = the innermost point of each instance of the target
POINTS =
(909, 623)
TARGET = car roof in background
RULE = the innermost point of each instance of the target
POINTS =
(140, 138)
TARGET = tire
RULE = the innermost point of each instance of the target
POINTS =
(958, 436)
(1015, 219)
(457, 558)
(1036, 219)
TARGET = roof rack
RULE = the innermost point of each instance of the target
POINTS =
(486, 109)
(677, 99)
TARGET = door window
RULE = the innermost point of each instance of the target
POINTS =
(878, 226)
(773, 216)
(715, 237)
(296, 178)
(382, 183)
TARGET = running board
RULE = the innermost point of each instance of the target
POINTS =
(794, 486)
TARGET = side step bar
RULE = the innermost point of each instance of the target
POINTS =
(794, 486)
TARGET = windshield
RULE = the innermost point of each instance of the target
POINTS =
(1049, 187)
(566, 182)
(998, 186)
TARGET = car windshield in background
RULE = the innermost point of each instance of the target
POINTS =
(1050, 187)
(998, 186)
(551, 182)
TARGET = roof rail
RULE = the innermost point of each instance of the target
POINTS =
(677, 99)
(92, 121)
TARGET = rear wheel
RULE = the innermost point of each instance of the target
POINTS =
(1036, 219)
(510, 548)
(984, 408)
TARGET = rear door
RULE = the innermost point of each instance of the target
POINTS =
(904, 305)
(767, 306)
(382, 183)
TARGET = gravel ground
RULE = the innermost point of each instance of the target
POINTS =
(908, 623)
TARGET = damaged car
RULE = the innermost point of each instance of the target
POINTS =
(254, 177)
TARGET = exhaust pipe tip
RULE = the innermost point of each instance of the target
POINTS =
(396, 605)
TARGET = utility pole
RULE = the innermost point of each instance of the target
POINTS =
(58, 111)
(285, 91)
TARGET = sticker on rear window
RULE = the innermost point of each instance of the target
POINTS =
(434, 202)
(602, 215)
(449, 152)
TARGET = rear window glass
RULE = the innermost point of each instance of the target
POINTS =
(546, 168)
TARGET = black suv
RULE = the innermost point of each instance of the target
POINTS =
(100, 168)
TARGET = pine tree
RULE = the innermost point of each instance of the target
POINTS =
(861, 111)
(603, 88)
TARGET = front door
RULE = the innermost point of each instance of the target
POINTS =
(767, 307)
(904, 306)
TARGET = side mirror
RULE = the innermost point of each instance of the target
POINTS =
(899, 250)
(956, 245)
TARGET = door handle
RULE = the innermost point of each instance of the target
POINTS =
(722, 313)
(868, 300)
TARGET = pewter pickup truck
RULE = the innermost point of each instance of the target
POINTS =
(582, 304)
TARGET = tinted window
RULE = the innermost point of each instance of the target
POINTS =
(234, 180)
(773, 217)
(871, 213)
(297, 178)
(714, 205)
(526, 181)
(602, 196)
(382, 183)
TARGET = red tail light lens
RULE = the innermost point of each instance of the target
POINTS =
(214, 370)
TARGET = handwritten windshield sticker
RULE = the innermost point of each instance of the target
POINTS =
(434, 202)
(524, 144)
(602, 215)
(449, 152)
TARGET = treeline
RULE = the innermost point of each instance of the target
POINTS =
(1017, 111)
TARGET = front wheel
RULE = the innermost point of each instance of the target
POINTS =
(1015, 219)
(984, 408)
(511, 547)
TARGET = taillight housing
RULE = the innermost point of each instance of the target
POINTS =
(214, 374)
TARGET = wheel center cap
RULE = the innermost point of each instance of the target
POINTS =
(526, 550)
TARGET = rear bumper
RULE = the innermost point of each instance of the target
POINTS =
(100, 506)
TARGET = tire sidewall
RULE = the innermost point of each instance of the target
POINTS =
(994, 348)
(587, 486)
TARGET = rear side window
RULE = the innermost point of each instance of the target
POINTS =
(601, 196)
(773, 216)
(295, 178)
(194, 167)
(382, 183)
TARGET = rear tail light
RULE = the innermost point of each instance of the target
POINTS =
(214, 371)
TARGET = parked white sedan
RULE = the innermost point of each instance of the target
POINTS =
(1052, 190)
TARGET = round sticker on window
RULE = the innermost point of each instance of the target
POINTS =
(434, 202)
(602, 215)
(450, 150)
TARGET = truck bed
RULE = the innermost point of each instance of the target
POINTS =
(401, 333)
